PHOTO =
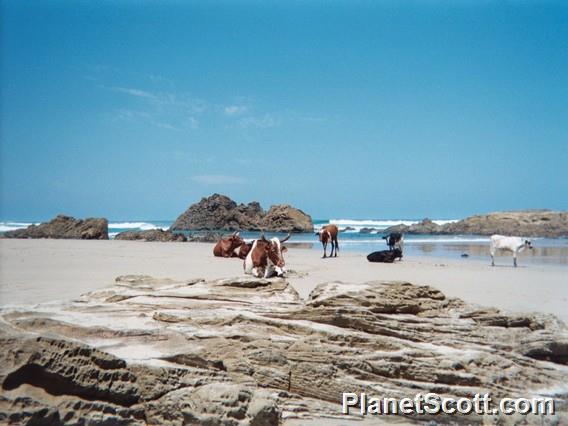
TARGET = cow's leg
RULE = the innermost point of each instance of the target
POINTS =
(336, 247)
(492, 257)
(515, 260)
(332, 248)
(324, 250)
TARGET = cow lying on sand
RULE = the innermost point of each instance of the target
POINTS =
(394, 240)
(227, 247)
(512, 244)
(265, 257)
(385, 256)
(329, 234)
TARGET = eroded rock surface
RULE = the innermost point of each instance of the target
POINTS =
(249, 351)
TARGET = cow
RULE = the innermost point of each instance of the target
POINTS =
(512, 244)
(385, 256)
(265, 258)
(227, 247)
(329, 234)
(243, 250)
(394, 240)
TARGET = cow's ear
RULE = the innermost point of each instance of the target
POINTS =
(283, 249)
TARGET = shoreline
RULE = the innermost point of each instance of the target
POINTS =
(38, 271)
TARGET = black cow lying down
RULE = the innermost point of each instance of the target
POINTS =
(385, 256)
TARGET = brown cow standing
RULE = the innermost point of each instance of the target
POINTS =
(265, 258)
(227, 247)
(329, 234)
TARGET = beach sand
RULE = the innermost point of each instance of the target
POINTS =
(36, 271)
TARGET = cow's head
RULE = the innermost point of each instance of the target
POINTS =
(274, 250)
(528, 244)
(235, 240)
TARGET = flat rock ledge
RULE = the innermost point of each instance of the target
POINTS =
(251, 352)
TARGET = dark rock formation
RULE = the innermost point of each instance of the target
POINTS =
(205, 237)
(248, 351)
(65, 227)
(151, 235)
(219, 212)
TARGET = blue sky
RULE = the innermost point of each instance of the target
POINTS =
(388, 109)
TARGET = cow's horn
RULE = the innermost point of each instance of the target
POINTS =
(262, 236)
(287, 238)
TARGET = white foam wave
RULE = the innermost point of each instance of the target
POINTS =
(11, 226)
(371, 223)
(144, 226)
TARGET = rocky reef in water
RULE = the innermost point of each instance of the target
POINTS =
(533, 223)
(65, 227)
(151, 235)
(219, 212)
(249, 351)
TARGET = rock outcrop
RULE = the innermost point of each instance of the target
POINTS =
(250, 351)
(65, 227)
(151, 235)
(425, 226)
(537, 223)
(205, 237)
(285, 218)
(540, 223)
(219, 212)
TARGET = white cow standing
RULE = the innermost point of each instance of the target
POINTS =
(512, 244)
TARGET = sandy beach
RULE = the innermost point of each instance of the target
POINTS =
(36, 271)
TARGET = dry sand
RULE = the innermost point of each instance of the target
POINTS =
(35, 271)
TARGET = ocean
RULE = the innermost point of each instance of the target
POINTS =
(365, 236)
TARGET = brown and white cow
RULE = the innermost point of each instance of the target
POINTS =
(243, 250)
(329, 234)
(228, 247)
(265, 257)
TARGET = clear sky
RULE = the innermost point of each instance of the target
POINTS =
(383, 109)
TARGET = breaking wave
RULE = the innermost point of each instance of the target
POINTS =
(143, 226)
(11, 226)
